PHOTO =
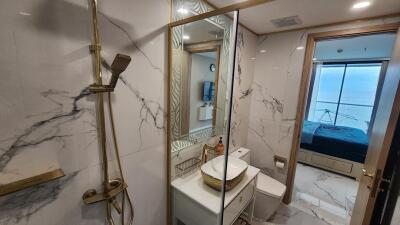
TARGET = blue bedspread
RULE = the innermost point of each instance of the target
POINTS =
(309, 129)
(343, 142)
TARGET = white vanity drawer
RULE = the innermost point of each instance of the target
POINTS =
(238, 204)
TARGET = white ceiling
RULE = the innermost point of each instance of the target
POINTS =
(212, 55)
(360, 47)
(202, 30)
(311, 12)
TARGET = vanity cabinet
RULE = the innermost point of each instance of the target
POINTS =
(238, 204)
(195, 203)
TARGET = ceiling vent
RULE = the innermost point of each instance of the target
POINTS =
(286, 21)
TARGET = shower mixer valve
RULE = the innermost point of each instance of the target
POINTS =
(114, 187)
(118, 66)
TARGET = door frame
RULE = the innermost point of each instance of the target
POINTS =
(305, 85)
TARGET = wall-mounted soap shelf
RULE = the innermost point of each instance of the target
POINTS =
(187, 166)
(31, 181)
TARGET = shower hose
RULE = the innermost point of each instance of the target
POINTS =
(125, 192)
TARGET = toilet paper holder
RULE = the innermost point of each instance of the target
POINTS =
(280, 159)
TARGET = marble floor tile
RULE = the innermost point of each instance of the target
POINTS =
(326, 195)
(323, 214)
(287, 215)
(292, 216)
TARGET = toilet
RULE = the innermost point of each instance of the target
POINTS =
(269, 192)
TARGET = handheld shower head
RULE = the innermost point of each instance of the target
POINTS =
(118, 66)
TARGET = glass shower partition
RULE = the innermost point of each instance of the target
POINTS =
(201, 65)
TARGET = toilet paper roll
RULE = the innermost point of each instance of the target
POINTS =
(280, 165)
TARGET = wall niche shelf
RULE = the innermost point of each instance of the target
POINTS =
(30, 181)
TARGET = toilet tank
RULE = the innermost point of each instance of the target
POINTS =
(243, 154)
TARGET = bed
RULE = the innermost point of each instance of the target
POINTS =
(335, 148)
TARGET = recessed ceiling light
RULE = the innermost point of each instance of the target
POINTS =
(186, 37)
(263, 51)
(252, 58)
(24, 13)
(300, 48)
(182, 11)
(362, 4)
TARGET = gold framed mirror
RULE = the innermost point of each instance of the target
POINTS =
(194, 117)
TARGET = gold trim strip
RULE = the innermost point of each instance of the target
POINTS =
(223, 10)
(31, 181)
(169, 135)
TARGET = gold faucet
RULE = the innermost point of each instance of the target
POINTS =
(204, 153)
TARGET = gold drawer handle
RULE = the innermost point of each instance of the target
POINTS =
(241, 199)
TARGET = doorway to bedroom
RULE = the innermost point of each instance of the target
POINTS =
(346, 80)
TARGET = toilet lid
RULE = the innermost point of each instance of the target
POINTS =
(270, 186)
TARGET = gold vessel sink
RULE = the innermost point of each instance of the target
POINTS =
(212, 172)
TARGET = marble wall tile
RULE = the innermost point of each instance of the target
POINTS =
(56, 202)
(274, 98)
(242, 90)
(48, 116)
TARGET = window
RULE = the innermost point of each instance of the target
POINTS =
(343, 94)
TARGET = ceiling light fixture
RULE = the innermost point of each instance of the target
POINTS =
(24, 13)
(182, 11)
(263, 51)
(360, 5)
(185, 37)
(300, 48)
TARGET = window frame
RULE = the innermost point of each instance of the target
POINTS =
(382, 73)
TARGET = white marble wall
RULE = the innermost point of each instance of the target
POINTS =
(275, 86)
(47, 115)
(242, 90)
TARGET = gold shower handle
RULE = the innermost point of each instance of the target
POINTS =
(91, 196)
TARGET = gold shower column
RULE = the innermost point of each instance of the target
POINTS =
(114, 187)
(95, 49)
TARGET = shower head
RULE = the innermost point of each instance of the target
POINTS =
(118, 66)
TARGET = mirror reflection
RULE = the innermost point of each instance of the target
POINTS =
(200, 76)
(202, 82)
(198, 89)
